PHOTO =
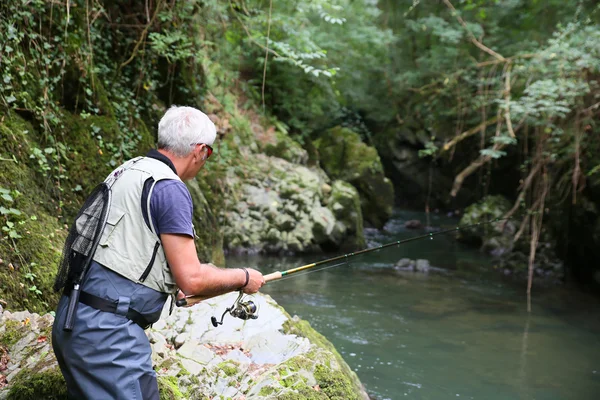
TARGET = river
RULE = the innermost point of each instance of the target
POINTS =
(463, 332)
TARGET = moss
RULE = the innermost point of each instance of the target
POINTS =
(299, 363)
(168, 388)
(296, 326)
(284, 147)
(487, 209)
(45, 207)
(344, 156)
(41, 233)
(229, 367)
(304, 393)
(209, 246)
(344, 194)
(267, 391)
(334, 384)
(12, 333)
(49, 385)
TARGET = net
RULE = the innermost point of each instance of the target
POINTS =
(83, 237)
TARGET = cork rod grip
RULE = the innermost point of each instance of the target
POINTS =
(191, 300)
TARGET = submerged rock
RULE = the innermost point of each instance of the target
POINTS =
(274, 357)
(419, 265)
(413, 224)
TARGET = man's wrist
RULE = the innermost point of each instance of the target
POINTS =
(247, 279)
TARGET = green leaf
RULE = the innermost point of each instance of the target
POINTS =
(7, 197)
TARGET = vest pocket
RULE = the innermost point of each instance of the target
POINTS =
(111, 223)
(151, 263)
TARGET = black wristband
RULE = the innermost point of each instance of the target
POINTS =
(247, 279)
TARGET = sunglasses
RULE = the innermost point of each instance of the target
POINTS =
(210, 149)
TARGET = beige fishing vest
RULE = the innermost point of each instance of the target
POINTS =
(127, 246)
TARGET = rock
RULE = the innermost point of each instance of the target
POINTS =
(323, 224)
(493, 238)
(405, 264)
(344, 156)
(413, 224)
(251, 359)
(420, 265)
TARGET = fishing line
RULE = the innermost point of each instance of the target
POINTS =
(245, 308)
(310, 272)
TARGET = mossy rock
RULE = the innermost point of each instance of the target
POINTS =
(341, 383)
(44, 385)
(168, 388)
(209, 246)
(31, 255)
(344, 156)
(487, 209)
(285, 147)
(344, 203)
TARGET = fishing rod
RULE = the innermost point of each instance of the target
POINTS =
(247, 309)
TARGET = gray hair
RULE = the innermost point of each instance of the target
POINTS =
(181, 127)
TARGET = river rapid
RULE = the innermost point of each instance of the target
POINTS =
(462, 332)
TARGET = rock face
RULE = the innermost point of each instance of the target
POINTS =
(283, 207)
(343, 155)
(496, 238)
(274, 357)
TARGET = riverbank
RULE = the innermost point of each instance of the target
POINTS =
(274, 357)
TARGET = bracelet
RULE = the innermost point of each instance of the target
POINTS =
(247, 279)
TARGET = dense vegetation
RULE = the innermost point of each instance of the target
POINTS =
(461, 98)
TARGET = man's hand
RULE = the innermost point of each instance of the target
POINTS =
(255, 281)
(205, 280)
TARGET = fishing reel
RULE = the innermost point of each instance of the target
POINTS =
(240, 309)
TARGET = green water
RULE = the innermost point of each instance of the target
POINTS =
(463, 333)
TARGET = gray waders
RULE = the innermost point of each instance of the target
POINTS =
(107, 355)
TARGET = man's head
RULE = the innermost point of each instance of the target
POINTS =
(186, 135)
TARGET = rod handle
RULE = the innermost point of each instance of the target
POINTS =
(273, 276)
(191, 300)
(71, 309)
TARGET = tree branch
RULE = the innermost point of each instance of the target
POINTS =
(471, 36)
(468, 133)
(143, 35)
(507, 98)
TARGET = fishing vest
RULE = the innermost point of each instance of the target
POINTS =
(127, 245)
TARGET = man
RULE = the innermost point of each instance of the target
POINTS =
(146, 250)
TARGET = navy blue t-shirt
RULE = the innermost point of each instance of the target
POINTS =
(171, 208)
(170, 202)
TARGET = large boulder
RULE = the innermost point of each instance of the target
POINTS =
(495, 238)
(344, 156)
(275, 357)
(283, 207)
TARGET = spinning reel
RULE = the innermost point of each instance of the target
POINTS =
(240, 309)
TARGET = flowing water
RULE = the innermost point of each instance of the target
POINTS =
(461, 333)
